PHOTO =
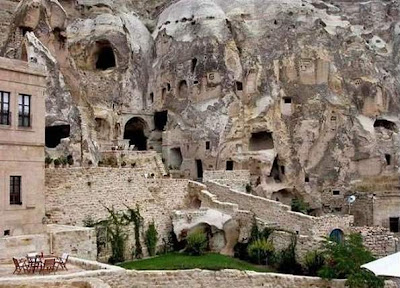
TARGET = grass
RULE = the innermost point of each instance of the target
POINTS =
(177, 261)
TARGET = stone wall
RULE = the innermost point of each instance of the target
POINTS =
(235, 179)
(278, 214)
(76, 241)
(379, 240)
(17, 246)
(149, 161)
(74, 194)
(103, 276)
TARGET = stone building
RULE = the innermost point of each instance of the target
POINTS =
(22, 112)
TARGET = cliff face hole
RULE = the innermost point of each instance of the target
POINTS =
(385, 124)
(175, 160)
(261, 141)
(105, 57)
(284, 196)
(194, 64)
(103, 129)
(160, 120)
(54, 134)
(135, 131)
(275, 173)
(183, 89)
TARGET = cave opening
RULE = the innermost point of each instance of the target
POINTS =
(105, 56)
(54, 134)
(275, 173)
(160, 120)
(194, 64)
(239, 86)
(176, 159)
(182, 89)
(229, 165)
(261, 141)
(135, 132)
(385, 124)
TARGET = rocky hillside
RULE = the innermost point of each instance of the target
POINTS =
(304, 94)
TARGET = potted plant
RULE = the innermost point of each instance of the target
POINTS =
(57, 163)
(48, 161)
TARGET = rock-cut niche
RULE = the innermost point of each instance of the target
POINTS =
(261, 141)
(135, 131)
(104, 57)
(54, 134)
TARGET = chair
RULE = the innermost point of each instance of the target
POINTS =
(20, 266)
(33, 262)
(62, 261)
(49, 265)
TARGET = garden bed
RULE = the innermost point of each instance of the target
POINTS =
(178, 261)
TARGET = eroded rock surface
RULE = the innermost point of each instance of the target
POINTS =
(304, 94)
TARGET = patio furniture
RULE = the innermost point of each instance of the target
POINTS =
(48, 266)
(20, 266)
(33, 262)
(62, 261)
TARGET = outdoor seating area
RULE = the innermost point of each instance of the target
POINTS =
(38, 263)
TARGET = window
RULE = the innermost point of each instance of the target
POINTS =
(24, 110)
(388, 159)
(229, 165)
(5, 108)
(394, 224)
(207, 145)
(336, 192)
(287, 100)
(15, 190)
(7, 233)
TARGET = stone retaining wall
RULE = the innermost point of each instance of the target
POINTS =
(74, 194)
(235, 179)
(16, 246)
(115, 277)
(278, 214)
(379, 240)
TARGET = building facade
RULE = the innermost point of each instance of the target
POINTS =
(22, 128)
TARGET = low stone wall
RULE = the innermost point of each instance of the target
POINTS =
(148, 161)
(76, 241)
(103, 276)
(235, 179)
(18, 246)
(278, 214)
(379, 240)
(74, 194)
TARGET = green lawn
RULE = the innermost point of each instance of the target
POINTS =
(177, 261)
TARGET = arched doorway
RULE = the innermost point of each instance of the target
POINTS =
(136, 131)
(336, 235)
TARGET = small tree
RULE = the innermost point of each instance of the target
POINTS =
(313, 262)
(117, 237)
(151, 238)
(287, 261)
(343, 260)
(260, 250)
(196, 243)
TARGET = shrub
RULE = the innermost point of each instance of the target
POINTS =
(343, 260)
(151, 239)
(196, 243)
(123, 164)
(249, 188)
(314, 260)
(298, 205)
(260, 250)
(286, 259)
